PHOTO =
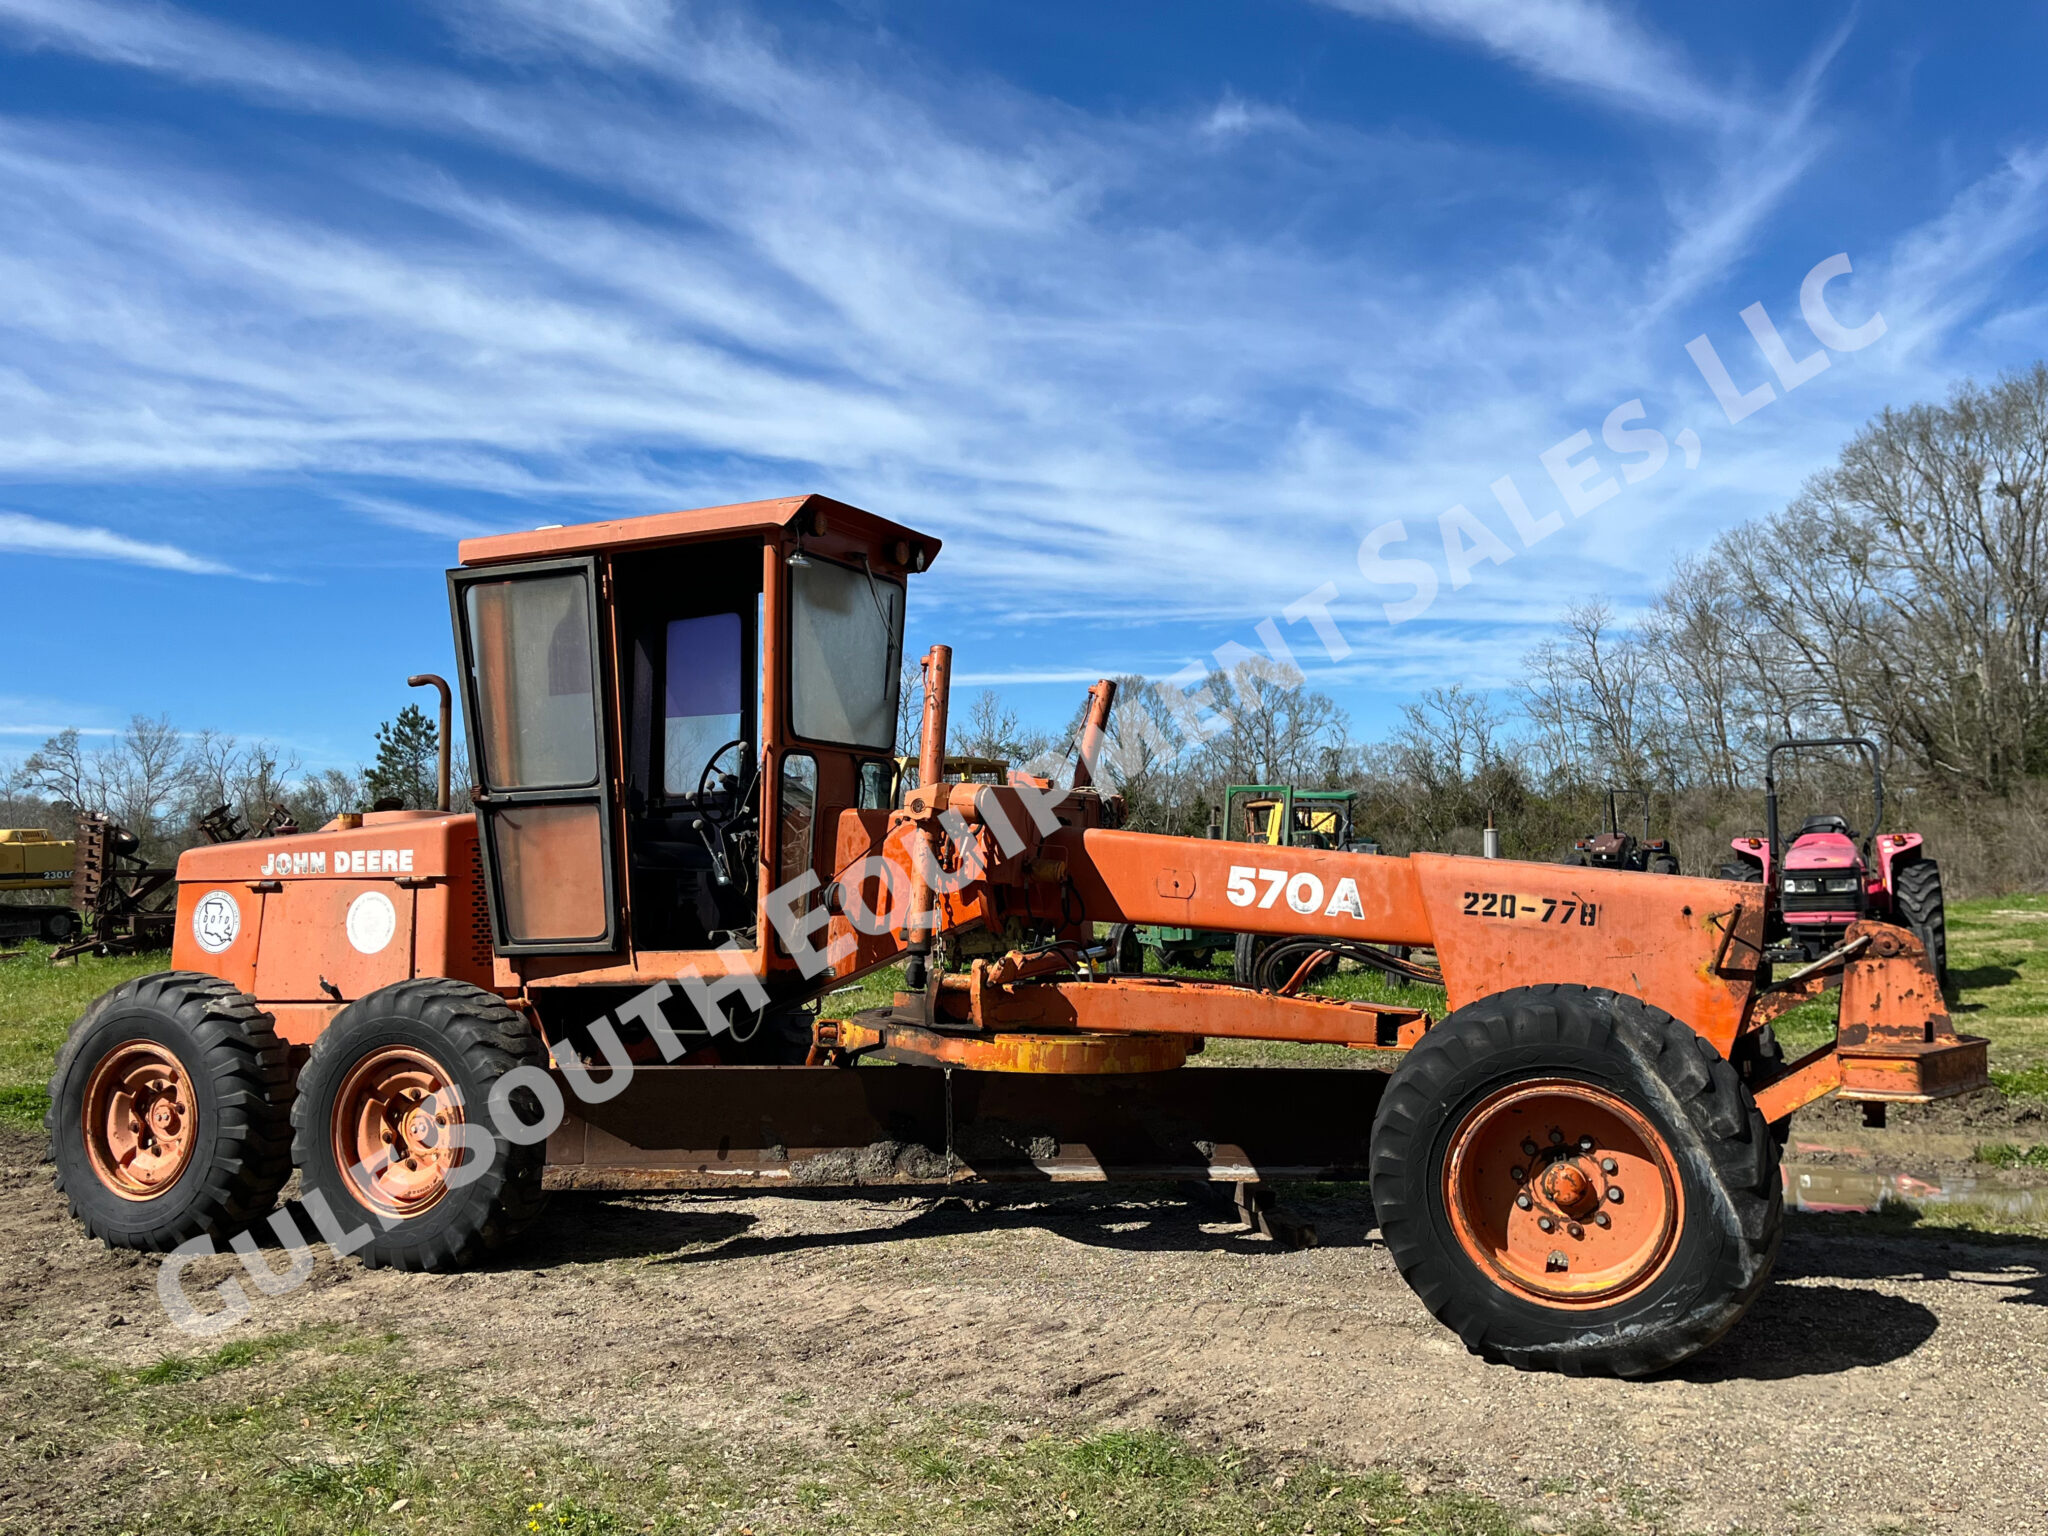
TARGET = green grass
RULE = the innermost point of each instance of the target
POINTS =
(39, 1002)
(321, 1433)
(2005, 1155)
(1998, 971)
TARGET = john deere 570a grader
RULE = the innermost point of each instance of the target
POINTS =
(683, 727)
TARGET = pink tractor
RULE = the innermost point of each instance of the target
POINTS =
(1830, 878)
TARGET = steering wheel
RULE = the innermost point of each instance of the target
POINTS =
(704, 778)
(719, 828)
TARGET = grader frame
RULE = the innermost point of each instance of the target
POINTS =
(614, 849)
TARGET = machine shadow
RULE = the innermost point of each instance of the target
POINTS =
(1813, 1330)
(1166, 1218)
(1898, 1250)
(1977, 978)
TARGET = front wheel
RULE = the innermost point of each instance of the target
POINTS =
(394, 1124)
(1575, 1181)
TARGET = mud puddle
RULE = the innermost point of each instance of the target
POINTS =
(1840, 1188)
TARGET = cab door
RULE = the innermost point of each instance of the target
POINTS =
(533, 690)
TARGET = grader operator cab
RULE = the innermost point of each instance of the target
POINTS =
(614, 975)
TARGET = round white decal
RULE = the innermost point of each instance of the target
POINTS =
(216, 921)
(372, 920)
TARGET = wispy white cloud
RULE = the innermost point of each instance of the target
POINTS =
(1582, 44)
(1091, 351)
(1951, 270)
(23, 534)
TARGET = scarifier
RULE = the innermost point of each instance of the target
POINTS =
(683, 730)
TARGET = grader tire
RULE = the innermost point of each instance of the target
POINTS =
(387, 1082)
(1487, 1114)
(170, 1112)
(1916, 889)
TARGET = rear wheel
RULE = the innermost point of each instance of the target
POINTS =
(396, 1087)
(1916, 891)
(170, 1112)
(1572, 1180)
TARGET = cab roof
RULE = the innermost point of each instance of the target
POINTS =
(809, 514)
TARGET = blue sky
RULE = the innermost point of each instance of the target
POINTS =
(1153, 312)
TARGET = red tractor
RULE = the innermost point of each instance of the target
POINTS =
(1612, 848)
(1831, 878)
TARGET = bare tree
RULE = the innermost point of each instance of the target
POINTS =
(1902, 594)
(60, 769)
(1278, 730)
(1591, 696)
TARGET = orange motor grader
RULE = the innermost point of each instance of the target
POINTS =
(617, 974)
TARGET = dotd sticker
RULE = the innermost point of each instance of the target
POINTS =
(216, 921)
(372, 921)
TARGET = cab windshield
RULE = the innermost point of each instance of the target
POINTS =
(846, 649)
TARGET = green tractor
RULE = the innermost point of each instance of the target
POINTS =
(1277, 815)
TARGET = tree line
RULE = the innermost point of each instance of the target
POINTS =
(159, 781)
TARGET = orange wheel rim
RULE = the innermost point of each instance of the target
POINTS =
(140, 1121)
(394, 1131)
(1564, 1192)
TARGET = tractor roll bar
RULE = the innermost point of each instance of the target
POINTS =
(1771, 786)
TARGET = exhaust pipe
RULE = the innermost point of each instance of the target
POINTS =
(429, 680)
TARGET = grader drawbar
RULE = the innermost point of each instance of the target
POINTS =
(618, 973)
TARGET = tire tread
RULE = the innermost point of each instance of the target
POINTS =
(1701, 1086)
(492, 1038)
(250, 1068)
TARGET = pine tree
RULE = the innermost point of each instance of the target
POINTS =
(407, 753)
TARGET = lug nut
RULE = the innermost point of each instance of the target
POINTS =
(1518, 1174)
(1614, 1193)
(1602, 1219)
(1546, 1224)
(1529, 1147)
(1557, 1138)
(1585, 1143)
(1557, 1260)
(1576, 1230)
(1609, 1166)
(1523, 1201)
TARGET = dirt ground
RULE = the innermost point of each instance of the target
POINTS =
(1888, 1379)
